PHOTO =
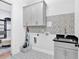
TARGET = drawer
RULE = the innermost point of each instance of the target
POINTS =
(65, 45)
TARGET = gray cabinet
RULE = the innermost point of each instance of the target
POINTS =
(34, 14)
(27, 16)
(71, 54)
(61, 51)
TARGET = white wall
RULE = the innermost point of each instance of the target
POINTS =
(56, 7)
(18, 33)
(44, 43)
(4, 14)
(77, 20)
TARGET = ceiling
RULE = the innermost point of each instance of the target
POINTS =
(5, 6)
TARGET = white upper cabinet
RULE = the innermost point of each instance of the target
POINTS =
(35, 14)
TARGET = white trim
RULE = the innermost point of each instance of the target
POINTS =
(5, 2)
(55, 13)
(44, 51)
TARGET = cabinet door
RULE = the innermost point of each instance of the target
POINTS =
(59, 53)
(71, 54)
(27, 15)
(34, 14)
(76, 55)
(37, 14)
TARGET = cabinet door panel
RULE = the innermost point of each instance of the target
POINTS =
(27, 15)
(59, 53)
(76, 55)
(37, 15)
(71, 54)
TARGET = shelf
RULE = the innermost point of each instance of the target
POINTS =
(3, 27)
(1, 24)
(8, 29)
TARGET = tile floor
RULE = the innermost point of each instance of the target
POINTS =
(32, 54)
(5, 55)
(4, 50)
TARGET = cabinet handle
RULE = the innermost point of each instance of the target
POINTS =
(77, 45)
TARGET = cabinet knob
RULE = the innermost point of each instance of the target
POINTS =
(77, 45)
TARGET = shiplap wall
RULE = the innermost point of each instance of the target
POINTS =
(63, 23)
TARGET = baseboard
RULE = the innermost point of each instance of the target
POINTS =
(43, 50)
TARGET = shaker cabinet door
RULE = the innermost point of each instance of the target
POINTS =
(76, 55)
(27, 15)
(37, 14)
(59, 53)
(71, 54)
